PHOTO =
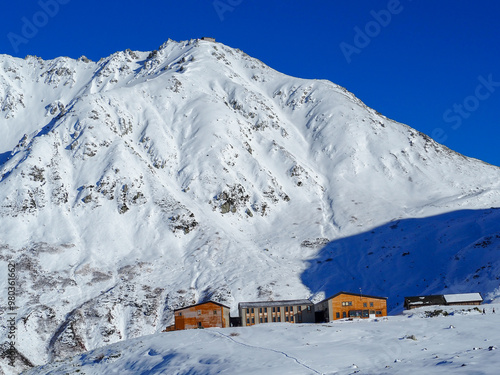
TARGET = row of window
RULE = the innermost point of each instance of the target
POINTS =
(276, 309)
(349, 303)
(275, 319)
(358, 313)
(199, 312)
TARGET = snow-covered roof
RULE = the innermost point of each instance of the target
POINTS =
(463, 297)
(292, 302)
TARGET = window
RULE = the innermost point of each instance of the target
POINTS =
(274, 318)
(252, 310)
(265, 309)
(308, 308)
(279, 318)
(265, 319)
(253, 320)
(291, 318)
(278, 309)
(364, 304)
(199, 312)
(286, 308)
(291, 309)
(274, 309)
(344, 315)
(248, 311)
(337, 315)
(379, 313)
(347, 303)
(260, 320)
(260, 310)
(180, 314)
(372, 312)
(248, 321)
(299, 308)
(215, 312)
(199, 324)
(286, 318)
(371, 304)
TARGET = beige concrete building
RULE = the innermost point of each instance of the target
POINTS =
(291, 311)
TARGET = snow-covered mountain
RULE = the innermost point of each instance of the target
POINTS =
(148, 180)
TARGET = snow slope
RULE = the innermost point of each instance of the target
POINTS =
(460, 343)
(150, 180)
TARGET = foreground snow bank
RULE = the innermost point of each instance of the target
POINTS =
(458, 341)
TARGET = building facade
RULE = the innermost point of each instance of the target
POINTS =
(443, 300)
(291, 311)
(202, 315)
(350, 305)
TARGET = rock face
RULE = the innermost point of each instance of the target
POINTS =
(149, 180)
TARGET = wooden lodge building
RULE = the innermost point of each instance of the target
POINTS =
(291, 311)
(350, 305)
(202, 315)
(443, 300)
(339, 306)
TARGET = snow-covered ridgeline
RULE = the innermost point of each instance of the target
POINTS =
(149, 180)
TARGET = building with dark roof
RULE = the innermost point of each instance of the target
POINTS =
(350, 305)
(202, 315)
(443, 300)
(291, 311)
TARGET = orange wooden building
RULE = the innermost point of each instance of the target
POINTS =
(350, 305)
(202, 315)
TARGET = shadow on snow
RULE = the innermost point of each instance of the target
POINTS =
(456, 252)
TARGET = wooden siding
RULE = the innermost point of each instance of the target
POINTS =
(350, 305)
(203, 315)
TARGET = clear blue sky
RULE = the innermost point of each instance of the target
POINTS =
(434, 65)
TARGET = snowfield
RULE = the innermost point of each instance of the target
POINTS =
(464, 342)
(147, 181)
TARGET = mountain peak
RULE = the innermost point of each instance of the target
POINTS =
(147, 180)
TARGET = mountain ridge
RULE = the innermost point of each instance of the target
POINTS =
(148, 180)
